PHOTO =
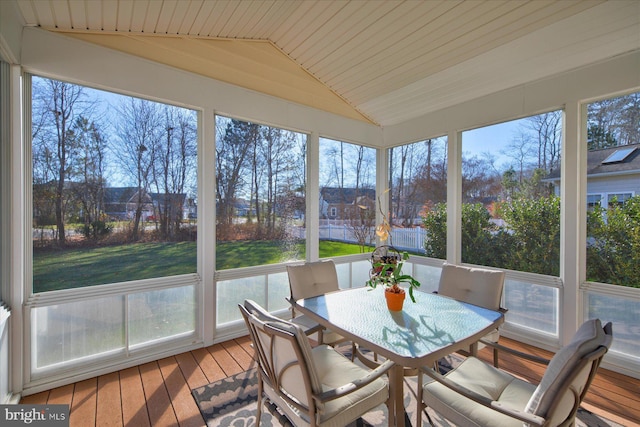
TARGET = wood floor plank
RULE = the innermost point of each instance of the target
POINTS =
(134, 405)
(208, 364)
(184, 405)
(191, 370)
(239, 354)
(119, 399)
(245, 342)
(224, 359)
(83, 404)
(61, 395)
(36, 399)
(109, 403)
(158, 401)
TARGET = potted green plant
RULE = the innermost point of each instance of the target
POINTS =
(387, 271)
(386, 268)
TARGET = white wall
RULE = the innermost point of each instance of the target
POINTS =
(614, 184)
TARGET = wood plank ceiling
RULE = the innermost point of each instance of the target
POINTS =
(383, 61)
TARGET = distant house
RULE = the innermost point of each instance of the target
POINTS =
(170, 205)
(612, 174)
(343, 203)
(120, 203)
(242, 207)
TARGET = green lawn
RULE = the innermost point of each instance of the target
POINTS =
(78, 267)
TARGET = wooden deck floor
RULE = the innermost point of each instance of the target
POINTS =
(159, 393)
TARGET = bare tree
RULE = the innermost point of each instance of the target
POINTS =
(235, 140)
(616, 119)
(174, 164)
(479, 181)
(520, 150)
(139, 130)
(278, 156)
(56, 106)
(90, 169)
(547, 133)
(418, 177)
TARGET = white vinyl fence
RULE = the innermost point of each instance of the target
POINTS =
(402, 238)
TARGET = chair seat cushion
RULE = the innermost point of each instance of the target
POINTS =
(335, 370)
(483, 379)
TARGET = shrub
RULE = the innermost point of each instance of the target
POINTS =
(96, 230)
(613, 249)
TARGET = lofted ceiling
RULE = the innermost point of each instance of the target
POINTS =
(381, 61)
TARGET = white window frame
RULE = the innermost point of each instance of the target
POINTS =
(48, 377)
(608, 196)
(591, 205)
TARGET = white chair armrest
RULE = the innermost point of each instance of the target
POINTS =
(527, 356)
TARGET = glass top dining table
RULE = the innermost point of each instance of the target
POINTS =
(423, 332)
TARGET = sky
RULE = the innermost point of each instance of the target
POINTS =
(494, 139)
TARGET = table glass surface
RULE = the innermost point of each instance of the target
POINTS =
(431, 324)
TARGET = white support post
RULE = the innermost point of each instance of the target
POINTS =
(20, 207)
(312, 215)
(572, 218)
(382, 183)
(454, 197)
(207, 222)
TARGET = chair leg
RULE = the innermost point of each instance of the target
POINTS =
(495, 357)
(259, 403)
(419, 404)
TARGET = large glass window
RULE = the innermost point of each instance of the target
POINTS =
(418, 195)
(260, 194)
(347, 198)
(114, 187)
(114, 197)
(510, 210)
(613, 169)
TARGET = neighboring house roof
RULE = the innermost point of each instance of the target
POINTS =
(119, 194)
(176, 199)
(335, 195)
(625, 160)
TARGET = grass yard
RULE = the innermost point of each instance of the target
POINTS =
(78, 267)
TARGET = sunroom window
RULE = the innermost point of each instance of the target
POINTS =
(613, 242)
(347, 198)
(511, 212)
(417, 204)
(260, 211)
(114, 197)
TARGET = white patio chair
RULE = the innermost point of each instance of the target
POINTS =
(311, 386)
(308, 280)
(477, 286)
(478, 394)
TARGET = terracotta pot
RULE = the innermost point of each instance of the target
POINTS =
(394, 300)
